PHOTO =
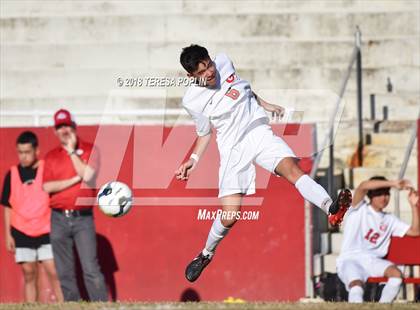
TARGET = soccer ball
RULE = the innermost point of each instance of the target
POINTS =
(115, 199)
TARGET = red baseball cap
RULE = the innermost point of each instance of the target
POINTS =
(63, 117)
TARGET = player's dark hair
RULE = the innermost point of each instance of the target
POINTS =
(378, 177)
(192, 55)
(379, 191)
(28, 137)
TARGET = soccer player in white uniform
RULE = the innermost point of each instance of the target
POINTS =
(367, 235)
(226, 102)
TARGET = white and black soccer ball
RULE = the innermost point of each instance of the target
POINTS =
(115, 199)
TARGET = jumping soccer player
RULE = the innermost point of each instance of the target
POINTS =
(367, 235)
(244, 136)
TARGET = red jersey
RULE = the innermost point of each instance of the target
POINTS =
(59, 166)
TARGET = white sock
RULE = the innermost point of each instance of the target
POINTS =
(313, 192)
(356, 294)
(216, 234)
(391, 289)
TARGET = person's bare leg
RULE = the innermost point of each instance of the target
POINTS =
(30, 277)
(53, 278)
(289, 169)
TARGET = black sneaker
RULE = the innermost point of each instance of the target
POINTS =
(197, 265)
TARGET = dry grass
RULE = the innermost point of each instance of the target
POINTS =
(213, 305)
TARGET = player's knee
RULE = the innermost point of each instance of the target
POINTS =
(29, 274)
(228, 223)
(356, 283)
(393, 272)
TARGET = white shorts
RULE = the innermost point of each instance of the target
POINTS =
(237, 166)
(27, 255)
(361, 268)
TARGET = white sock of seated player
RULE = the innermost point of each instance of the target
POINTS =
(216, 234)
(391, 289)
(356, 294)
(313, 192)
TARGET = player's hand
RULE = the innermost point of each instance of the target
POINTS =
(71, 142)
(403, 184)
(185, 169)
(10, 243)
(277, 112)
(413, 198)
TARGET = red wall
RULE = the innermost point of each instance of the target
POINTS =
(144, 254)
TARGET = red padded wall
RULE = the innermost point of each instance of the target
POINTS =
(144, 254)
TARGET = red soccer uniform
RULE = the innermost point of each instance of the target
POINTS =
(59, 166)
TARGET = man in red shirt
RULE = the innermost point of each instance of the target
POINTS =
(67, 167)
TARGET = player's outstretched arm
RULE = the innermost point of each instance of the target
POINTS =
(277, 112)
(365, 186)
(184, 171)
(413, 199)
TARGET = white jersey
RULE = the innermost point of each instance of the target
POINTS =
(230, 107)
(367, 231)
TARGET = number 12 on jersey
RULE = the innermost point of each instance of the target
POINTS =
(372, 238)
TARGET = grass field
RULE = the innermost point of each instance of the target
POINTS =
(215, 305)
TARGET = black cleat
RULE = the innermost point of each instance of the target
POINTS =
(197, 265)
(339, 207)
(343, 199)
